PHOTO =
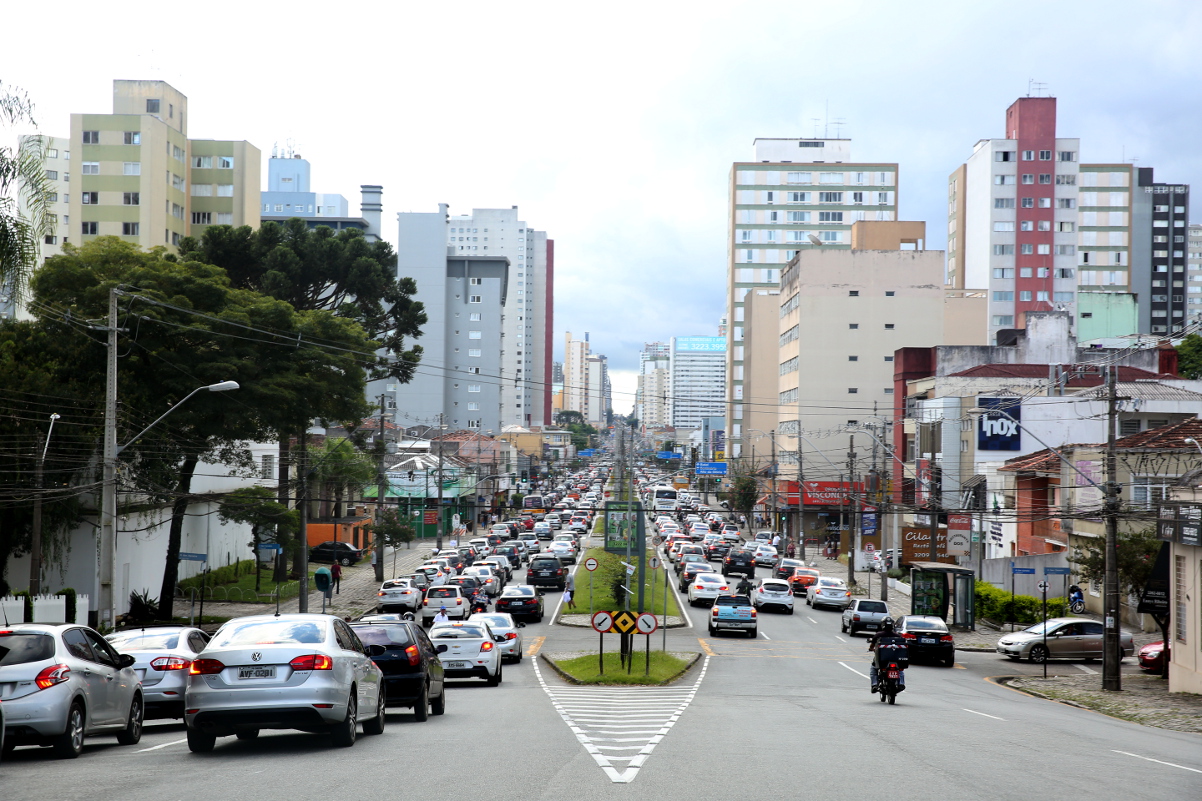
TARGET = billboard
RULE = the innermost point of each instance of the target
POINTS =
(710, 468)
(829, 493)
(700, 344)
(959, 536)
(995, 430)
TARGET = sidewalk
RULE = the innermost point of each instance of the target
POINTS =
(357, 591)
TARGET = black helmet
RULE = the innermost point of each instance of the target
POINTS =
(887, 624)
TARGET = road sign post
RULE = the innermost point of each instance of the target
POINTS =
(602, 622)
(1043, 587)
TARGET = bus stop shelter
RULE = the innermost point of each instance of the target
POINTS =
(937, 589)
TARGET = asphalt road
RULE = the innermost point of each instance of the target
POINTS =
(786, 713)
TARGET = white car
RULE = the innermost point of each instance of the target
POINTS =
(828, 592)
(481, 545)
(764, 555)
(570, 539)
(485, 573)
(553, 520)
(433, 573)
(502, 564)
(564, 551)
(468, 650)
(705, 587)
(398, 595)
(772, 592)
(450, 598)
(531, 541)
(503, 626)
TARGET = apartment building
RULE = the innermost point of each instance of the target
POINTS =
(289, 195)
(653, 395)
(698, 379)
(598, 392)
(794, 195)
(525, 374)
(575, 373)
(1161, 212)
(1193, 266)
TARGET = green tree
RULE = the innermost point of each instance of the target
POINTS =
(339, 468)
(258, 508)
(25, 205)
(188, 327)
(1136, 557)
(392, 530)
(1189, 356)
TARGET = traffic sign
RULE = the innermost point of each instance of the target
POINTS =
(629, 568)
(590, 564)
(646, 623)
(1023, 570)
(1043, 586)
(603, 622)
(868, 546)
(710, 469)
(654, 563)
(1057, 571)
(193, 557)
(270, 546)
(624, 622)
(657, 541)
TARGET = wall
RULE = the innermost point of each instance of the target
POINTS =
(1110, 314)
(997, 572)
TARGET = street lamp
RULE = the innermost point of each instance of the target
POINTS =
(108, 528)
(1193, 442)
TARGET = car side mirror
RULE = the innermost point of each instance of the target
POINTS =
(376, 650)
(440, 649)
(126, 661)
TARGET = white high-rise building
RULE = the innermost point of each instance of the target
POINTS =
(525, 376)
(698, 379)
(653, 400)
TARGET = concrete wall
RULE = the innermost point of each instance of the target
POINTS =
(1106, 314)
(997, 572)
(761, 356)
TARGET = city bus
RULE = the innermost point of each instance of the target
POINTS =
(534, 505)
(663, 498)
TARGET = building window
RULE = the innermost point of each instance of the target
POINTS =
(1045, 203)
(1042, 296)
(51, 239)
(131, 168)
(475, 281)
(1003, 227)
(1066, 203)
(1043, 250)
(130, 199)
(90, 198)
(1003, 202)
(888, 358)
(225, 162)
(90, 229)
(177, 182)
(888, 390)
(473, 387)
(1045, 155)
(1028, 203)
(226, 190)
(474, 299)
(474, 335)
(474, 317)
(853, 358)
(853, 326)
(1025, 296)
(1066, 272)
(1003, 250)
(132, 138)
(129, 229)
(1003, 180)
(91, 137)
(202, 190)
(1003, 319)
(830, 197)
(830, 216)
(91, 168)
(473, 406)
(798, 178)
(225, 218)
(1004, 155)
(1063, 297)
(206, 163)
(1003, 297)
(202, 218)
(852, 390)
(1066, 227)
(152, 107)
(473, 353)
(889, 326)
(279, 207)
(1068, 155)
(853, 293)
(1028, 155)
(1066, 250)
(1028, 178)
(1045, 178)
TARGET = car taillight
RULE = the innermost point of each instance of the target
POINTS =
(714, 611)
(855, 617)
(414, 656)
(55, 674)
(699, 587)
(380, 594)
(312, 662)
(909, 636)
(458, 602)
(205, 667)
(947, 638)
(170, 663)
(753, 612)
(511, 635)
(486, 646)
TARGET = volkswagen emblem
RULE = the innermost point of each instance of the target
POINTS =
(256, 656)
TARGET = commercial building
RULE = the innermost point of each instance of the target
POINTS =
(465, 298)
(525, 370)
(575, 372)
(795, 194)
(698, 379)
(598, 401)
(289, 195)
(652, 404)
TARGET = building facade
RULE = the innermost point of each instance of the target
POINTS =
(575, 373)
(795, 194)
(698, 379)
(652, 394)
(289, 195)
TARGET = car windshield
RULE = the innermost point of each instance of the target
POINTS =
(269, 632)
(383, 634)
(923, 625)
(495, 621)
(706, 578)
(443, 592)
(144, 640)
(19, 648)
(457, 632)
(874, 606)
(515, 592)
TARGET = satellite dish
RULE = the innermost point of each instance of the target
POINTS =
(815, 240)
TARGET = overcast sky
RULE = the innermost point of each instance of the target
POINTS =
(613, 126)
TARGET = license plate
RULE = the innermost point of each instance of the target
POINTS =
(543, 573)
(256, 673)
(457, 665)
(870, 626)
(927, 641)
(893, 674)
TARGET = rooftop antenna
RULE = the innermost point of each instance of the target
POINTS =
(816, 120)
(838, 122)
(1038, 87)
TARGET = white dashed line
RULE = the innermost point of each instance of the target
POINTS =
(853, 670)
(164, 745)
(765, 636)
(840, 639)
(982, 714)
(1085, 669)
(1157, 761)
(812, 620)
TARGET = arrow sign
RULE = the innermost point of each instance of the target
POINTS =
(646, 623)
(603, 622)
(1043, 586)
(590, 564)
(654, 563)
(624, 622)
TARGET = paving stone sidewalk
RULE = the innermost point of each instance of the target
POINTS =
(1143, 699)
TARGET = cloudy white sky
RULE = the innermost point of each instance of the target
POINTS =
(613, 126)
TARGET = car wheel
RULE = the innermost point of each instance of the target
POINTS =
(712, 632)
(520, 655)
(133, 724)
(421, 707)
(843, 627)
(376, 724)
(1039, 654)
(790, 610)
(950, 661)
(344, 733)
(248, 734)
(200, 742)
(753, 633)
(495, 679)
(439, 705)
(346, 561)
(69, 744)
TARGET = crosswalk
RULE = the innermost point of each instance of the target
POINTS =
(620, 726)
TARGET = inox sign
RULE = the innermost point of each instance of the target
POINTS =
(999, 430)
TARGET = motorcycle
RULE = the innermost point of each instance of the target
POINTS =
(1076, 600)
(888, 682)
(479, 604)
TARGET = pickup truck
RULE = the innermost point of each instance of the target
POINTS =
(733, 612)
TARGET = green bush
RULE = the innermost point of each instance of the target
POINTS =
(999, 606)
(28, 600)
(222, 575)
(69, 594)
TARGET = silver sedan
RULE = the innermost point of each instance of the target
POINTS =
(163, 655)
(306, 672)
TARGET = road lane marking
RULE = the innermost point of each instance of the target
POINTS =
(958, 666)
(705, 646)
(853, 670)
(1158, 761)
(157, 747)
(812, 620)
(1085, 669)
(765, 636)
(982, 714)
(840, 639)
(535, 646)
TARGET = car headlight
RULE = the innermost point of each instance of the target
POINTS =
(1151, 654)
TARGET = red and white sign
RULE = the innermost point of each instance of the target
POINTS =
(646, 623)
(603, 622)
(830, 493)
(959, 536)
(590, 564)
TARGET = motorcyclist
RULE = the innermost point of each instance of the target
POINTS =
(480, 599)
(744, 587)
(885, 631)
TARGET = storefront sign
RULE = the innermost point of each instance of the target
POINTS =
(999, 430)
(958, 534)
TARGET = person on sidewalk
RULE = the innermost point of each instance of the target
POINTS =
(336, 574)
(570, 598)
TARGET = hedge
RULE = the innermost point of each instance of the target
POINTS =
(999, 606)
(221, 575)
(69, 594)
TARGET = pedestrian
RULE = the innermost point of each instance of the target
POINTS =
(336, 573)
(568, 597)
(569, 583)
(442, 616)
(776, 541)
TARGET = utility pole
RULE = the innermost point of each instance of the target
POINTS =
(1111, 675)
(775, 514)
(801, 495)
(381, 487)
(35, 548)
(851, 525)
(438, 542)
(302, 502)
(108, 490)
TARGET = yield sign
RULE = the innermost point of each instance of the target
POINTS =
(603, 622)
(646, 623)
(624, 622)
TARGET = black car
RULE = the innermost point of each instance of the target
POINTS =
(718, 549)
(691, 569)
(453, 558)
(469, 584)
(739, 560)
(927, 637)
(511, 553)
(522, 601)
(413, 673)
(546, 571)
(332, 551)
(783, 568)
(469, 555)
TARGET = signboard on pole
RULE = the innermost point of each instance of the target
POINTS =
(996, 431)
(603, 622)
(646, 623)
(193, 557)
(959, 537)
(430, 518)
(710, 469)
(590, 564)
(624, 526)
(623, 622)
(669, 455)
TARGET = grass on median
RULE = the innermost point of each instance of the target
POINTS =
(585, 670)
(601, 581)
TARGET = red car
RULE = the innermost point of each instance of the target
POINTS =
(1151, 657)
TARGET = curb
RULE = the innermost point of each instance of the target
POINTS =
(670, 680)
(1005, 682)
(559, 622)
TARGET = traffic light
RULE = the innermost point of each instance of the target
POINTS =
(525, 475)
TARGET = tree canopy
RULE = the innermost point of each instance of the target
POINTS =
(1189, 356)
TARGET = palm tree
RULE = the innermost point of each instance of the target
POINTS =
(25, 216)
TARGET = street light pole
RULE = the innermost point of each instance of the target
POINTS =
(438, 542)
(35, 546)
